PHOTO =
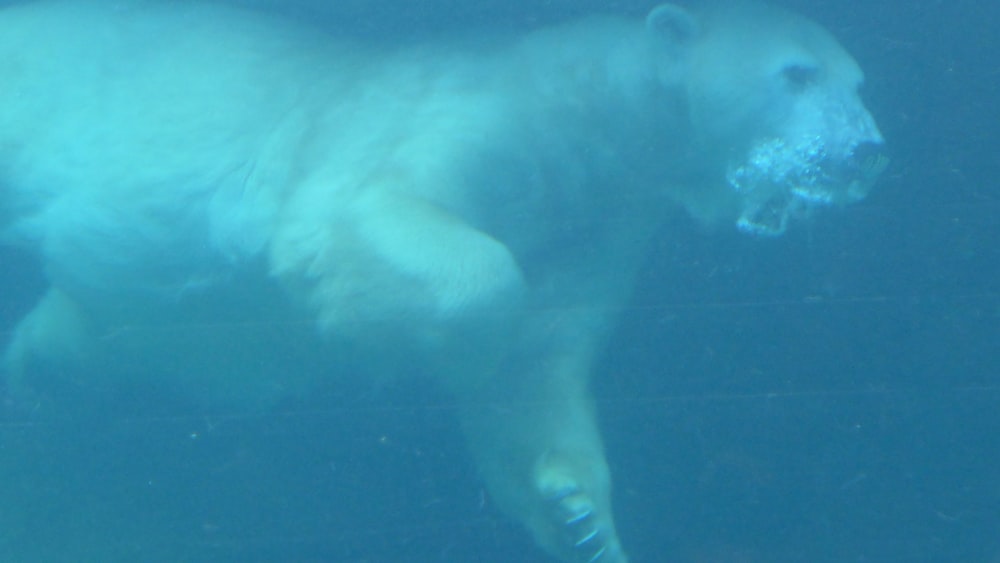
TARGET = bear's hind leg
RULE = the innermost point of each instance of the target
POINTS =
(53, 333)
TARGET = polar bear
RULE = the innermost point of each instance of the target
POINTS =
(199, 180)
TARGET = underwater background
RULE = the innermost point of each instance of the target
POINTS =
(829, 395)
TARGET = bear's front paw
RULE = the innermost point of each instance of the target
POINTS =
(585, 534)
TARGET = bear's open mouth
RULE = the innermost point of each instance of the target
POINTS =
(780, 180)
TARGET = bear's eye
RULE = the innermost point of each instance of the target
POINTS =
(800, 76)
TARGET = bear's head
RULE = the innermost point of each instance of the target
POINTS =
(772, 102)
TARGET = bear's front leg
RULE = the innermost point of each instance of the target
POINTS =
(408, 277)
(535, 435)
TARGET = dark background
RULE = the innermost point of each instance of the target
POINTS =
(831, 395)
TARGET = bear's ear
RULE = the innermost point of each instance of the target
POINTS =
(673, 25)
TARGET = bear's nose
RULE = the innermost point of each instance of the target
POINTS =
(865, 130)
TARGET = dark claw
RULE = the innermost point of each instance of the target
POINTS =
(600, 553)
(582, 515)
(586, 538)
(562, 494)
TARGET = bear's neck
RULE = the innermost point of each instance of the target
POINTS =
(599, 78)
(607, 60)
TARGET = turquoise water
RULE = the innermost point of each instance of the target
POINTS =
(831, 395)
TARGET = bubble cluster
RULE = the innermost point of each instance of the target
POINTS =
(781, 179)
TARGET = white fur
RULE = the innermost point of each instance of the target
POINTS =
(231, 199)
